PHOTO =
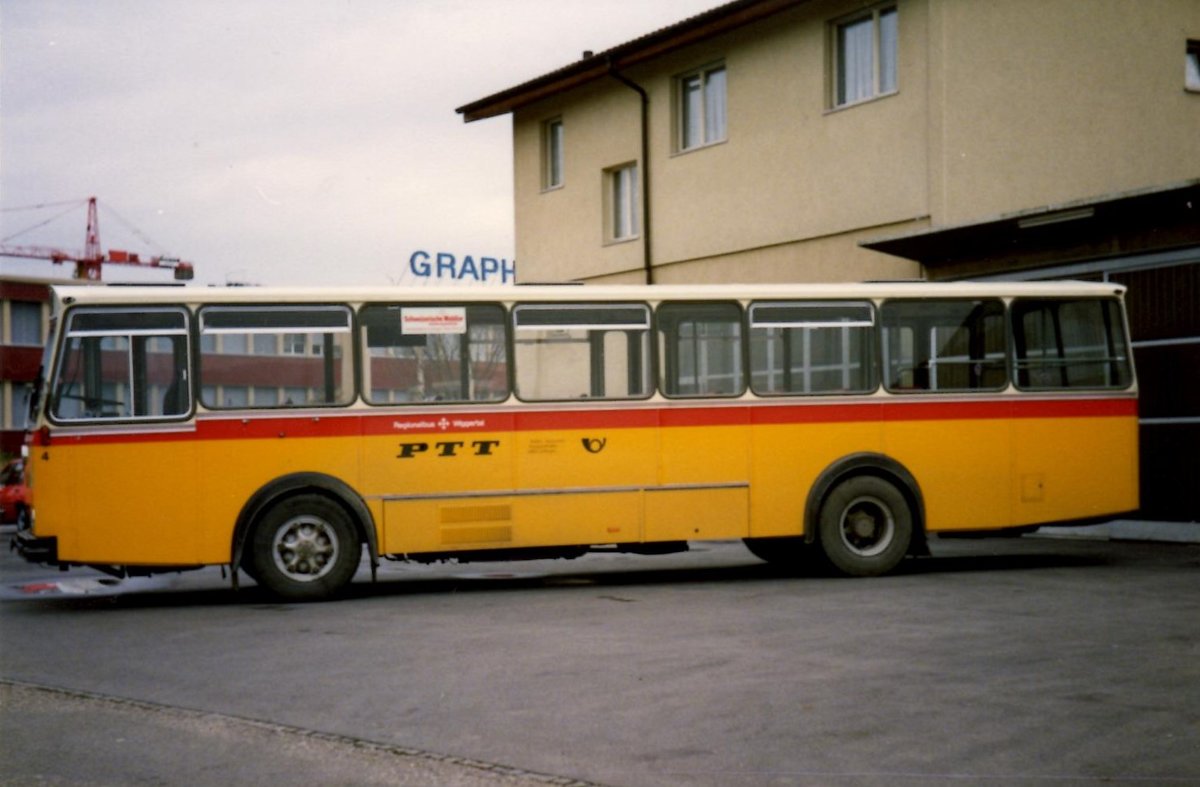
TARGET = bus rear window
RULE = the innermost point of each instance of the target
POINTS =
(1070, 344)
(120, 365)
(275, 356)
(427, 353)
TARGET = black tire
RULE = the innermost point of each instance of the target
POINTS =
(866, 526)
(305, 548)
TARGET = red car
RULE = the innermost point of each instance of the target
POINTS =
(13, 493)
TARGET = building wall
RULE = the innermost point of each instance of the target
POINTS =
(825, 259)
(1001, 107)
(560, 231)
(19, 359)
(1039, 103)
(790, 172)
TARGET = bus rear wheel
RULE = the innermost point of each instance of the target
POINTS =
(866, 526)
(305, 548)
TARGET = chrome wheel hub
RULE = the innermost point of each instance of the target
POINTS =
(305, 548)
(867, 526)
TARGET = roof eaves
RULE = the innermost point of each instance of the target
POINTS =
(1155, 206)
(697, 28)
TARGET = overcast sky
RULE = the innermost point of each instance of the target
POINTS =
(277, 141)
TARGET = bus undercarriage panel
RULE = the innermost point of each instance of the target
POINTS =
(585, 515)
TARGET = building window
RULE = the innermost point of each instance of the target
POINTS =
(701, 107)
(264, 343)
(622, 203)
(864, 56)
(1192, 67)
(265, 396)
(26, 319)
(235, 396)
(20, 406)
(294, 343)
(552, 154)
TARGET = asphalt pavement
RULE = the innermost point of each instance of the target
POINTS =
(53, 732)
(54, 736)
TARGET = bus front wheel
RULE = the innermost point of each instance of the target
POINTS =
(305, 548)
(866, 526)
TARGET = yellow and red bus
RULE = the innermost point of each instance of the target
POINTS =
(286, 432)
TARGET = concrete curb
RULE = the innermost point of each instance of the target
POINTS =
(1129, 530)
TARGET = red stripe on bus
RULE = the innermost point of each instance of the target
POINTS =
(357, 423)
(893, 410)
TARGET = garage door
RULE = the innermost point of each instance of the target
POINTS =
(1164, 316)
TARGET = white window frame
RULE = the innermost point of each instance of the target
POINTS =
(553, 154)
(622, 203)
(702, 113)
(880, 58)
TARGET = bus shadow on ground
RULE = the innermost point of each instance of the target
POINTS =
(757, 572)
(999, 561)
(210, 588)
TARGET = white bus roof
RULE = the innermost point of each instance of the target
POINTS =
(72, 295)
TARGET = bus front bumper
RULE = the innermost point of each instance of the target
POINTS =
(34, 549)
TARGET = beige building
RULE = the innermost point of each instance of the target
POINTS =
(777, 136)
(840, 140)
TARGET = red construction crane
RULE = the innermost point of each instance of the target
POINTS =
(87, 265)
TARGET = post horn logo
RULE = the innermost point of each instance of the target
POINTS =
(593, 445)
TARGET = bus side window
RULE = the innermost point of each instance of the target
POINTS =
(1069, 344)
(276, 356)
(424, 353)
(119, 364)
(582, 351)
(173, 354)
(812, 348)
(952, 345)
(700, 347)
